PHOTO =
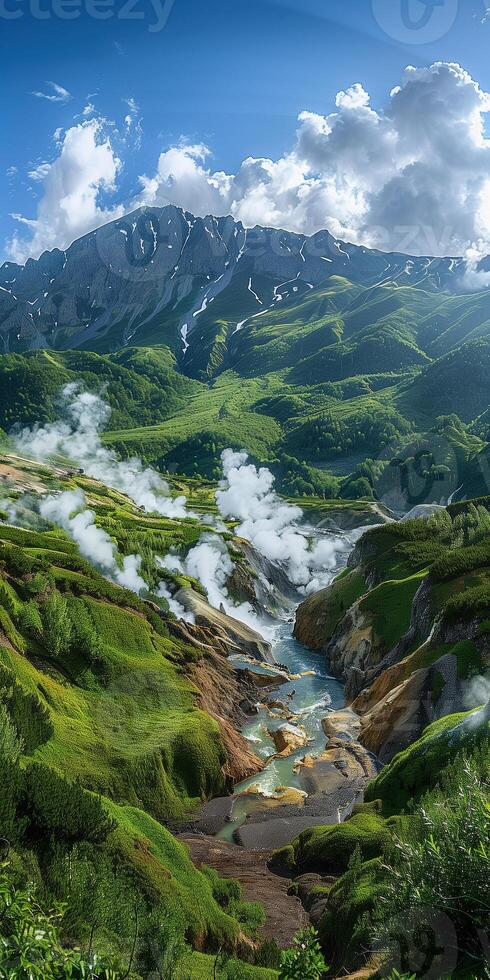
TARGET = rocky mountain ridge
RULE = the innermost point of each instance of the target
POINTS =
(157, 270)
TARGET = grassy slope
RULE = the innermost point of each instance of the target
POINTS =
(122, 723)
(314, 387)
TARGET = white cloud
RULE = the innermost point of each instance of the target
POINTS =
(55, 93)
(414, 176)
(70, 206)
(132, 122)
(40, 172)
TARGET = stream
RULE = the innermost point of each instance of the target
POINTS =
(309, 698)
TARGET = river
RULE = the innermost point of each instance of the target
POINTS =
(309, 698)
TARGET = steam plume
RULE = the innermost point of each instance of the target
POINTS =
(70, 512)
(210, 563)
(247, 494)
(78, 438)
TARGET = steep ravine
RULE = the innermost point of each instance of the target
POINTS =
(312, 768)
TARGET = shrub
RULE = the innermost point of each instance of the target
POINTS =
(84, 637)
(11, 745)
(57, 626)
(305, 960)
(30, 945)
(440, 863)
(28, 714)
(30, 622)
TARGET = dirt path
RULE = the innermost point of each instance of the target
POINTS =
(285, 913)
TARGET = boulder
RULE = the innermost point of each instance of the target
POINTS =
(342, 724)
(288, 738)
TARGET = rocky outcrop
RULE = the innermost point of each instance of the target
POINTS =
(233, 635)
(350, 651)
(405, 694)
(261, 582)
(288, 738)
(342, 724)
(397, 720)
(223, 692)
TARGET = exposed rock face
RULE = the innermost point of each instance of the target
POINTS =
(135, 271)
(399, 718)
(234, 636)
(399, 693)
(309, 626)
(220, 694)
(342, 724)
(269, 589)
(223, 693)
(399, 701)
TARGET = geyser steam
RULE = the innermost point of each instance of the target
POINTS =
(247, 494)
(78, 438)
(70, 512)
(210, 563)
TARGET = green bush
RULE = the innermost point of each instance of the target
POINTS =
(304, 961)
(441, 863)
(28, 714)
(57, 626)
(30, 945)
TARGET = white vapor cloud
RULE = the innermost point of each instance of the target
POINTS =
(163, 592)
(72, 185)
(477, 691)
(78, 438)
(413, 176)
(210, 563)
(55, 93)
(69, 511)
(247, 494)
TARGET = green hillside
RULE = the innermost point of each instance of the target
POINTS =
(318, 387)
(102, 743)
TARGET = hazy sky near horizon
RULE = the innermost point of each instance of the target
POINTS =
(235, 106)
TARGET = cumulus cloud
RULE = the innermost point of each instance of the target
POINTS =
(72, 185)
(78, 438)
(55, 93)
(273, 526)
(413, 176)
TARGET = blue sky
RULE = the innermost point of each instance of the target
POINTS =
(232, 76)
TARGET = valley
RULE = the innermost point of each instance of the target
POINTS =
(244, 600)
